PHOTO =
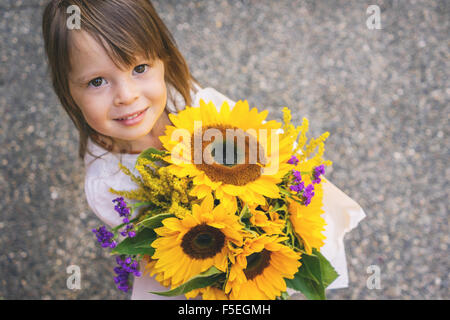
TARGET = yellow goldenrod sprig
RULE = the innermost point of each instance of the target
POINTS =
(302, 139)
(126, 171)
(138, 194)
(288, 128)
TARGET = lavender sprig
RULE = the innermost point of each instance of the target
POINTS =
(123, 271)
(105, 237)
(319, 170)
(298, 185)
(293, 160)
(307, 193)
(124, 211)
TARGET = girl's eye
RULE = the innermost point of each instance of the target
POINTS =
(97, 82)
(141, 68)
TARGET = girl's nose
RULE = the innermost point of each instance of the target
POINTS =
(126, 93)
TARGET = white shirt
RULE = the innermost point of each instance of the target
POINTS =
(342, 214)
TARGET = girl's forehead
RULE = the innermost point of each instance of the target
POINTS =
(84, 46)
(86, 54)
(82, 42)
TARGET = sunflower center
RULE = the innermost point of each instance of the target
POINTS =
(229, 155)
(223, 154)
(202, 242)
(256, 263)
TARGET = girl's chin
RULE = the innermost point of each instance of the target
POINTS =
(130, 137)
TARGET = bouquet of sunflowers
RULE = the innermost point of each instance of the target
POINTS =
(230, 209)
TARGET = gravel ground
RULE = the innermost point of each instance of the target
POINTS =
(382, 95)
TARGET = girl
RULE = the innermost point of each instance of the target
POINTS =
(118, 77)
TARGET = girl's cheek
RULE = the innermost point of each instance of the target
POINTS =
(92, 118)
(158, 91)
(94, 111)
(92, 106)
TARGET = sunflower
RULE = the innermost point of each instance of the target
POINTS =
(208, 293)
(259, 268)
(149, 270)
(248, 169)
(268, 220)
(190, 245)
(307, 220)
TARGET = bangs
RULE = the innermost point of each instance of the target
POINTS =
(124, 30)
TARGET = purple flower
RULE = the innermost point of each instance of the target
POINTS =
(105, 237)
(123, 271)
(297, 187)
(121, 207)
(129, 230)
(297, 175)
(293, 160)
(319, 170)
(124, 211)
(308, 194)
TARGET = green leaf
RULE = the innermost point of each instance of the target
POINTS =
(282, 208)
(150, 154)
(310, 268)
(276, 206)
(245, 213)
(285, 192)
(288, 194)
(202, 280)
(308, 287)
(284, 296)
(244, 217)
(314, 276)
(328, 272)
(155, 221)
(139, 244)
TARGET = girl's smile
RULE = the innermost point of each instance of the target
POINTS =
(124, 103)
(131, 120)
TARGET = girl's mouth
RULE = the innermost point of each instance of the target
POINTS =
(135, 119)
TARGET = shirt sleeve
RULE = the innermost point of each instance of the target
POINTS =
(342, 214)
(100, 199)
(211, 94)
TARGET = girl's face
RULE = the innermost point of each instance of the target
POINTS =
(105, 93)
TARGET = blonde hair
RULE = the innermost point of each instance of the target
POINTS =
(124, 28)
